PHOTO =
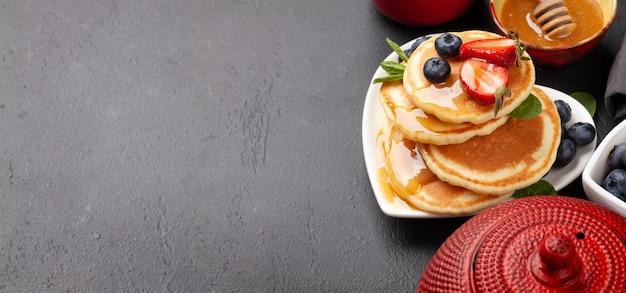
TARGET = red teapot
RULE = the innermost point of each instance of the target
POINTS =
(534, 244)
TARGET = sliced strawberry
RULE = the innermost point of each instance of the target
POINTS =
(481, 80)
(499, 51)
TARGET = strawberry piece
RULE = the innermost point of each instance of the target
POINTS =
(482, 80)
(499, 51)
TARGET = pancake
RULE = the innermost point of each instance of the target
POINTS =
(447, 101)
(514, 156)
(422, 127)
(414, 183)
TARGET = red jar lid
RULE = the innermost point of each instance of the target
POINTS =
(534, 244)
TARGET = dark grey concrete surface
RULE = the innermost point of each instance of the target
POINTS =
(208, 146)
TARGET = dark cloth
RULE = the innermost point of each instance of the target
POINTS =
(615, 94)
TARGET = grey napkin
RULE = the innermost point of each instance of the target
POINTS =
(615, 94)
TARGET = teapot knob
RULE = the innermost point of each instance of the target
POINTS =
(555, 262)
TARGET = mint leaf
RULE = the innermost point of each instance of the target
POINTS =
(389, 78)
(529, 108)
(587, 100)
(542, 187)
(396, 48)
(392, 68)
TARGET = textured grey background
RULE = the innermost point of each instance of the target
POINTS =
(207, 146)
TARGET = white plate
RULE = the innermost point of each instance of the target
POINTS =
(374, 119)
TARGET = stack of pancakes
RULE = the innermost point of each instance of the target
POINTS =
(445, 153)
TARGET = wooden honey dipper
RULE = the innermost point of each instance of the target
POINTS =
(553, 18)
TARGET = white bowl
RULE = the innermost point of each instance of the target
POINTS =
(597, 168)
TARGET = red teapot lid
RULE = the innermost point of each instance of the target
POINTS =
(534, 244)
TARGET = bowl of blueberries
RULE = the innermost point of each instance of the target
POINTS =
(604, 176)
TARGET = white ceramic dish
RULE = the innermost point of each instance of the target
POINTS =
(598, 168)
(374, 119)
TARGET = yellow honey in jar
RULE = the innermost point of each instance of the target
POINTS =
(587, 14)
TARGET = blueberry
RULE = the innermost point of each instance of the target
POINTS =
(565, 153)
(565, 112)
(436, 70)
(563, 132)
(616, 155)
(414, 46)
(448, 45)
(615, 183)
(581, 133)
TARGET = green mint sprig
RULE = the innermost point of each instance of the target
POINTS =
(541, 187)
(529, 108)
(395, 70)
(587, 100)
(396, 48)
